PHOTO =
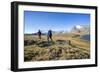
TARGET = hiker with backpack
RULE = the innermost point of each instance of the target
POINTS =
(49, 35)
(39, 34)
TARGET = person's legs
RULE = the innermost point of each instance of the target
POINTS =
(51, 38)
(39, 36)
(48, 38)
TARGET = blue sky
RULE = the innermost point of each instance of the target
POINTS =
(56, 21)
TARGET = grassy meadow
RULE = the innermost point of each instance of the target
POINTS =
(63, 47)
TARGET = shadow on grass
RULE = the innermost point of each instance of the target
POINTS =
(45, 43)
(38, 43)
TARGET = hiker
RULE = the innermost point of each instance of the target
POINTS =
(49, 35)
(39, 34)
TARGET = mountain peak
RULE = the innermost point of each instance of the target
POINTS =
(78, 26)
(81, 29)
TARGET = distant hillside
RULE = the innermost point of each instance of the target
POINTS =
(46, 32)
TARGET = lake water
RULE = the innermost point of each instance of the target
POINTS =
(86, 37)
